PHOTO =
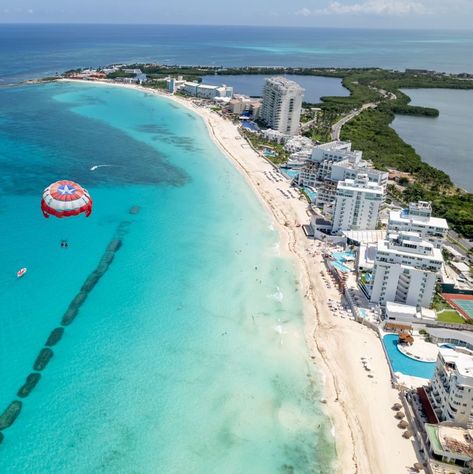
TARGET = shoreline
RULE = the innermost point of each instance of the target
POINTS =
(366, 436)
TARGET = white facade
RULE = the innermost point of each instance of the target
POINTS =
(451, 387)
(333, 152)
(299, 143)
(408, 314)
(282, 105)
(174, 84)
(357, 204)
(418, 218)
(206, 91)
(274, 135)
(333, 162)
(405, 270)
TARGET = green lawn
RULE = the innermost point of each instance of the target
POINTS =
(450, 316)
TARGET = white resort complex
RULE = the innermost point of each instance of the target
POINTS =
(357, 204)
(282, 105)
(333, 162)
(418, 218)
(451, 389)
(406, 269)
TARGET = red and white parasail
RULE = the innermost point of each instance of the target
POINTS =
(64, 199)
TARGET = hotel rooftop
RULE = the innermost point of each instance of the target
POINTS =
(462, 360)
(418, 213)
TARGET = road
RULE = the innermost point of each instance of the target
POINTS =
(337, 127)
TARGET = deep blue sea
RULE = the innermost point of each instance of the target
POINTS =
(36, 50)
(189, 355)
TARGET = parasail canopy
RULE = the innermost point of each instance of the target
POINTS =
(64, 199)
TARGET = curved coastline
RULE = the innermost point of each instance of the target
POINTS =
(357, 426)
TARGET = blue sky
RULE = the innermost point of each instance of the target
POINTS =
(451, 14)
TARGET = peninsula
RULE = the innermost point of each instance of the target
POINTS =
(375, 97)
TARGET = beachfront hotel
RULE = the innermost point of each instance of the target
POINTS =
(357, 203)
(418, 218)
(405, 270)
(282, 105)
(451, 388)
(333, 162)
(196, 89)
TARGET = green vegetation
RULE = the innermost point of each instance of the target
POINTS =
(445, 313)
(450, 316)
(370, 131)
(159, 84)
(257, 142)
(120, 73)
(439, 303)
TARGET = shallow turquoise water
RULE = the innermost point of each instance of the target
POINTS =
(189, 354)
(404, 364)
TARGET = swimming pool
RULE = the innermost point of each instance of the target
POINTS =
(340, 258)
(340, 266)
(404, 364)
(268, 153)
(251, 126)
(311, 193)
(289, 172)
(343, 256)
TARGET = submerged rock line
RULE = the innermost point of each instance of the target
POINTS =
(9, 416)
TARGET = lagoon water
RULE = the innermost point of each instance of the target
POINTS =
(189, 354)
(445, 141)
(315, 87)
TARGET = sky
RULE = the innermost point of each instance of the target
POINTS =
(448, 14)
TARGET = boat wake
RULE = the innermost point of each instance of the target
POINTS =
(101, 166)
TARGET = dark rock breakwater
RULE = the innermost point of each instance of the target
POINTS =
(9, 416)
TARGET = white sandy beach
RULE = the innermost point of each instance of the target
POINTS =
(367, 437)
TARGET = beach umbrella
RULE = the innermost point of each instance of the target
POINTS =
(399, 415)
(407, 434)
(65, 199)
(418, 466)
(403, 424)
(397, 406)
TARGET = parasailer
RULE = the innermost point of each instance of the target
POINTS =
(64, 199)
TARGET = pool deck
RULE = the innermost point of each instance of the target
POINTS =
(421, 350)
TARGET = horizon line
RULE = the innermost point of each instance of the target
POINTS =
(54, 23)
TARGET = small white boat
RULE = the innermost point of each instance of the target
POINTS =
(21, 272)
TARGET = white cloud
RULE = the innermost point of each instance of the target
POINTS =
(369, 7)
(304, 12)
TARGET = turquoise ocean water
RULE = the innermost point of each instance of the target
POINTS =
(189, 354)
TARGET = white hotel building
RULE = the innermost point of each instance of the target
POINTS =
(282, 105)
(405, 270)
(204, 91)
(418, 218)
(451, 388)
(333, 162)
(357, 204)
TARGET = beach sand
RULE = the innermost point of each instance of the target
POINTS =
(365, 429)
